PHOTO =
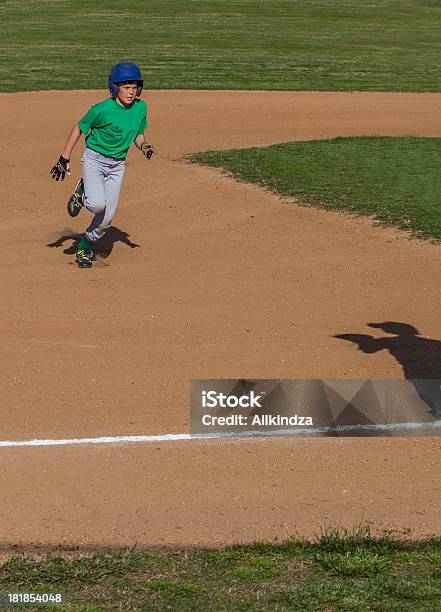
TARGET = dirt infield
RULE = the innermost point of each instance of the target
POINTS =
(207, 277)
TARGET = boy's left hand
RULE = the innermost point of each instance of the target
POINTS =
(147, 150)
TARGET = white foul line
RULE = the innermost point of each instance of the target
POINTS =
(307, 431)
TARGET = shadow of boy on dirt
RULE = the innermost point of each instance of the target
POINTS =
(419, 357)
(103, 247)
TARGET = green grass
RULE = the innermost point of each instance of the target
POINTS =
(396, 180)
(226, 44)
(338, 571)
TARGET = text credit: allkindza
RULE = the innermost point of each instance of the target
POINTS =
(315, 407)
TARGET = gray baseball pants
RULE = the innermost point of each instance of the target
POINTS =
(102, 178)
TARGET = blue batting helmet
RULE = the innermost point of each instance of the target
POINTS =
(124, 71)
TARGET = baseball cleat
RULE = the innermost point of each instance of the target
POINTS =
(76, 200)
(84, 258)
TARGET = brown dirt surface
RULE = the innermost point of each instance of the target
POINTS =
(208, 277)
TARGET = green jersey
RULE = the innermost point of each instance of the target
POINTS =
(111, 128)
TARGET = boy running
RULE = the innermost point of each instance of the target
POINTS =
(110, 127)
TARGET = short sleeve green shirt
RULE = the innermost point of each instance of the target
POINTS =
(111, 128)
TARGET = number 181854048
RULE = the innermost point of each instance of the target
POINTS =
(22, 598)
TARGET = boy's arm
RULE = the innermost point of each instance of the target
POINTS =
(72, 140)
(145, 148)
(61, 168)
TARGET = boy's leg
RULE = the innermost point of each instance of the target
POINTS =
(95, 201)
(102, 185)
(112, 184)
(109, 190)
(94, 171)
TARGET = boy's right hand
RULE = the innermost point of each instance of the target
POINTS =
(60, 169)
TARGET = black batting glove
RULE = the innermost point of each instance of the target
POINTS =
(147, 150)
(60, 169)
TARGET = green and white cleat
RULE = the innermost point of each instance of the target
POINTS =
(76, 200)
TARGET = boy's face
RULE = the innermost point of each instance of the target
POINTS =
(126, 92)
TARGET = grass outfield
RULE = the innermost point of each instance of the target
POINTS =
(396, 180)
(223, 44)
(337, 572)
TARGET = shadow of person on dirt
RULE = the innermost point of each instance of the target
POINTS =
(419, 357)
(103, 247)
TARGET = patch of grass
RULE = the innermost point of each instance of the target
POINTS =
(335, 540)
(353, 553)
(183, 590)
(375, 594)
(357, 563)
(223, 44)
(256, 569)
(395, 180)
(340, 570)
(62, 572)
